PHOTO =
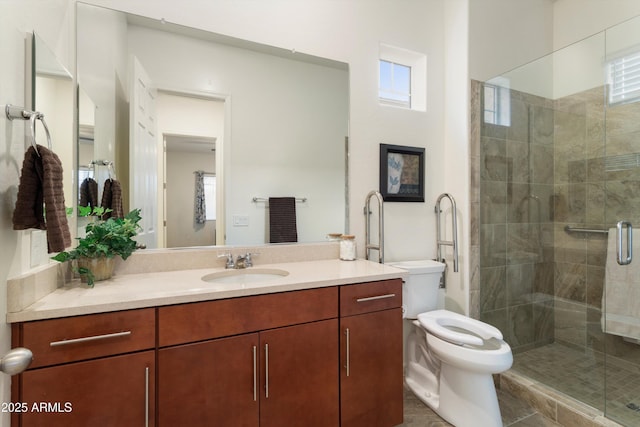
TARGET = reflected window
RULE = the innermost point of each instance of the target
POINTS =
(624, 79)
(497, 105)
(210, 196)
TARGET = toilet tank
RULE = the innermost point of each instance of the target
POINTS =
(420, 290)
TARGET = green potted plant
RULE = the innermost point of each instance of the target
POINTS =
(104, 240)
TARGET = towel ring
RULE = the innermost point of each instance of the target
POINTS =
(14, 112)
(110, 171)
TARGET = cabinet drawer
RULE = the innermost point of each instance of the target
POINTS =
(199, 321)
(69, 339)
(372, 296)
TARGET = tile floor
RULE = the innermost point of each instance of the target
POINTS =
(582, 376)
(515, 413)
(562, 374)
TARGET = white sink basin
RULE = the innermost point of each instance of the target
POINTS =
(245, 276)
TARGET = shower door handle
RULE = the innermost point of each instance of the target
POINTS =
(626, 260)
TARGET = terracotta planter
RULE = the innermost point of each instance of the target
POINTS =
(102, 268)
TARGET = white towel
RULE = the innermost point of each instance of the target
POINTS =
(621, 296)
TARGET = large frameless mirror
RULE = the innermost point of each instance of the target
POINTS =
(52, 95)
(165, 104)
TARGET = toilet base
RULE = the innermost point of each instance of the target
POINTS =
(463, 398)
(472, 392)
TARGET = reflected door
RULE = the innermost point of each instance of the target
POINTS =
(144, 154)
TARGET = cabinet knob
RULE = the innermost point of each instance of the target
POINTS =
(16, 361)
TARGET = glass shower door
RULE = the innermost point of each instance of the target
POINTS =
(621, 171)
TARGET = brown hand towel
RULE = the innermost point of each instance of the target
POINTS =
(112, 199)
(89, 193)
(282, 220)
(41, 184)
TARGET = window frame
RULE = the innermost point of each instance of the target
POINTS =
(210, 199)
(623, 73)
(394, 90)
(417, 63)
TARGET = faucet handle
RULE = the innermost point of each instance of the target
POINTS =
(229, 263)
(248, 260)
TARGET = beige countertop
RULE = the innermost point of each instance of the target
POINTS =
(130, 291)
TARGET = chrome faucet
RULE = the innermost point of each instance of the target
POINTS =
(244, 261)
(241, 261)
(229, 262)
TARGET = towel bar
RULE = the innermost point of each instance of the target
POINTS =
(570, 229)
(264, 199)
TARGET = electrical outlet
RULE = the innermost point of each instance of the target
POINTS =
(240, 220)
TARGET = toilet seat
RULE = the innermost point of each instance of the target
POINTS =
(438, 323)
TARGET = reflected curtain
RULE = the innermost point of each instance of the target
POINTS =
(200, 216)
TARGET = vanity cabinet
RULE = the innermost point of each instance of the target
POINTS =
(320, 357)
(371, 377)
(87, 370)
(266, 360)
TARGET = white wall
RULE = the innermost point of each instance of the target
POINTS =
(456, 170)
(504, 34)
(52, 21)
(99, 81)
(574, 20)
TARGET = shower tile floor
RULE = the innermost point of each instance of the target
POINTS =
(581, 375)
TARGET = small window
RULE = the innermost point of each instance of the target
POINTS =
(402, 78)
(496, 105)
(624, 79)
(210, 197)
(395, 84)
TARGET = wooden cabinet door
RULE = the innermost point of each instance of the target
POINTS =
(212, 383)
(371, 387)
(111, 391)
(299, 376)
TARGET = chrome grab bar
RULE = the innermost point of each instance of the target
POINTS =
(454, 230)
(367, 214)
(570, 229)
(629, 257)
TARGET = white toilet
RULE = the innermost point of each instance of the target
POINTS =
(450, 358)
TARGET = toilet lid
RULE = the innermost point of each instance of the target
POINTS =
(442, 323)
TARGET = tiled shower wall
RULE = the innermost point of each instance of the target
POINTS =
(579, 200)
(516, 222)
(548, 169)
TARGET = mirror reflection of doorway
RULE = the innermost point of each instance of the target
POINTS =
(191, 128)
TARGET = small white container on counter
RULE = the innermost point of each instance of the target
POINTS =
(347, 247)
